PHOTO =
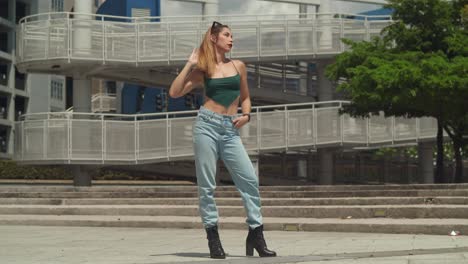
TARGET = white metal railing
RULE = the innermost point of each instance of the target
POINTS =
(68, 137)
(169, 40)
(103, 102)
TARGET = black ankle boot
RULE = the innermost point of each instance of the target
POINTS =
(216, 249)
(256, 240)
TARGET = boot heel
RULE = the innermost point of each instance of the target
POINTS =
(249, 250)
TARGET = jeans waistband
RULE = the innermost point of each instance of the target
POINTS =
(213, 115)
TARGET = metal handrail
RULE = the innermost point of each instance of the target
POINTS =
(169, 40)
(84, 138)
(205, 17)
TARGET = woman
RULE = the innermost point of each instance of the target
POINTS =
(216, 134)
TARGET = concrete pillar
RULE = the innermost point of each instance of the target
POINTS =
(11, 78)
(284, 165)
(326, 88)
(325, 171)
(118, 97)
(310, 167)
(81, 176)
(302, 168)
(210, 8)
(386, 169)
(325, 93)
(11, 116)
(81, 104)
(11, 33)
(325, 37)
(82, 28)
(304, 83)
(81, 86)
(425, 162)
(81, 95)
(310, 84)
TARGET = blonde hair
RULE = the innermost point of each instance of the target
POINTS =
(206, 52)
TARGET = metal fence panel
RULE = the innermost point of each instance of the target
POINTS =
(35, 40)
(405, 128)
(58, 38)
(33, 140)
(272, 133)
(86, 139)
(427, 127)
(120, 41)
(57, 139)
(120, 140)
(249, 133)
(354, 129)
(273, 38)
(181, 136)
(380, 129)
(301, 37)
(153, 139)
(301, 128)
(328, 126)
(153, 42)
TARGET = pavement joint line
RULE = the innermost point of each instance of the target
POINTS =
(321, 257)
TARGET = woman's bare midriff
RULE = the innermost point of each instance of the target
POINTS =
(210, 104)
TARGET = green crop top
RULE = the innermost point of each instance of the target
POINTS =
(224, 90)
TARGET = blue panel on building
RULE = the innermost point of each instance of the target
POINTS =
(377, 12)
(124, 7)
(130, 94)
(176, 104)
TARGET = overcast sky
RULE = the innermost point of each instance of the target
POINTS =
(173, 8)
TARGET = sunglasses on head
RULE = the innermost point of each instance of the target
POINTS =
(215, 25)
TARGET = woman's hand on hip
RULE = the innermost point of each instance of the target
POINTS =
(240, 121)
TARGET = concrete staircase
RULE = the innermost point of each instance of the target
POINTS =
(422, 209)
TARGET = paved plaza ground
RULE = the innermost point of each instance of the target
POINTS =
(99, 245)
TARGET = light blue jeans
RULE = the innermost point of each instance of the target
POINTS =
(215, 137)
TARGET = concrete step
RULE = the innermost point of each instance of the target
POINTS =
(178, 188)
(238, 201)
(168, 193)
(325, 211)
(370, 225)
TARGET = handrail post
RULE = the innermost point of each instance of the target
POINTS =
(47, 46)
(168, 137)
(69, 143)
(341, 124)
(137, 41)
(259, 142)
(103, 139)
(314, 124)
(286, 124)
(259, 40)
(44, 139)
(104, 41)
(137, 138)
(69, 32)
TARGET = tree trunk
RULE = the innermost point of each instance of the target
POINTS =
(439, 177)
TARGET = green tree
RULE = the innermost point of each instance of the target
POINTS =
(417, 68)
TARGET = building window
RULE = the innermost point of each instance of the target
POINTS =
(56, 89)
(56, 6)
